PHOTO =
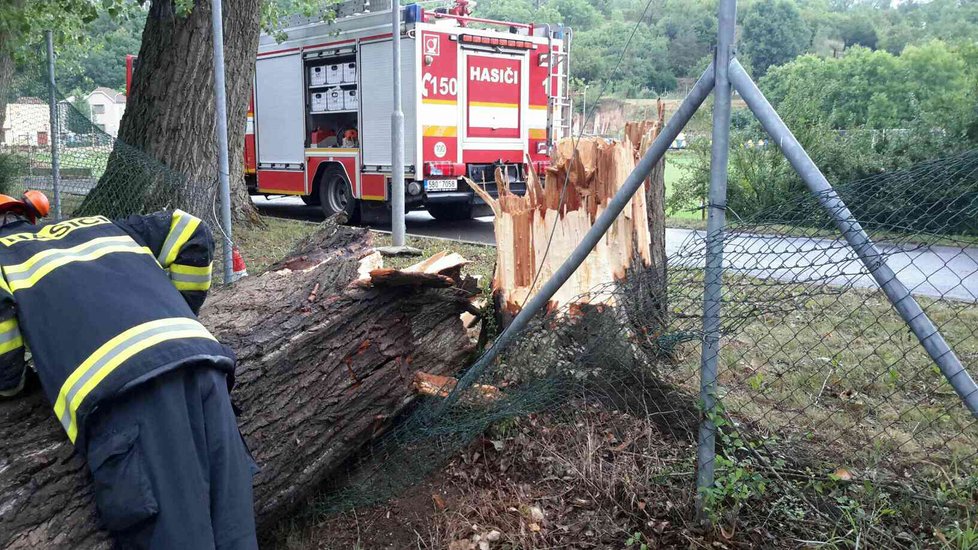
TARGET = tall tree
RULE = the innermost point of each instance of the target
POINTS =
(166, 155)
(774, 33)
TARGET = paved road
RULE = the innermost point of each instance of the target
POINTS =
(951, 272)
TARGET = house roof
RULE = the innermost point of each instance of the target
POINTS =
(110, 93)
(30, 101)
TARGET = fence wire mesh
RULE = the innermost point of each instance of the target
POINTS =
(835, 428)
(99, 174)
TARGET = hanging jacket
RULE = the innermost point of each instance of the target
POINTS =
(103, 306)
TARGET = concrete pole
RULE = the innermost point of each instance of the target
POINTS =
(397, 135)
(221, 128)
(55, 126)
(713, 278)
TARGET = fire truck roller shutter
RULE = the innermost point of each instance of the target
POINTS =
(376, 95)
(280, 110)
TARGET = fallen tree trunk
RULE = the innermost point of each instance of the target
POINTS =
(327, 353)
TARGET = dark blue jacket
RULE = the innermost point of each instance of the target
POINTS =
(103, 306)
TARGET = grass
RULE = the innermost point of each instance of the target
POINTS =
(677, 163)
(839, 433)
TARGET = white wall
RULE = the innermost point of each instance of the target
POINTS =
(111, 114)
(24, 121)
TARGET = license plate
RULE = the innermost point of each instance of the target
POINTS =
(441, 185)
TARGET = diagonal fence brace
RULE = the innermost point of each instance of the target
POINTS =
(898, 294)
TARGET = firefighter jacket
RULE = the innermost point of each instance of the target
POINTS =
(103, 306)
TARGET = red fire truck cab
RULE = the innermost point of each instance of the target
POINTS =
(476, 94)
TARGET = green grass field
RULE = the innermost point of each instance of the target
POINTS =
(677, 162)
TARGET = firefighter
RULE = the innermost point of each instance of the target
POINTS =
(109, 312)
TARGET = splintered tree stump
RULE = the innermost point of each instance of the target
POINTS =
(535, 233)
(327, 356)
(655, 279)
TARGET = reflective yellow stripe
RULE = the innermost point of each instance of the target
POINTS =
(182, 227)
(51, 252)
(10, 338)
(188, 277)
(11, 345)
(113, 353)
(192, 269)
(21, 278)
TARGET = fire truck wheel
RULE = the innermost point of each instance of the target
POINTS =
(311, 200)
(335, 193)
(450, 212)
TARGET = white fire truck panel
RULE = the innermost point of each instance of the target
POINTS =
(377, 95)
(280, 110)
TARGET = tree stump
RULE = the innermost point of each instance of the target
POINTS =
(328, 346)
(536, 232)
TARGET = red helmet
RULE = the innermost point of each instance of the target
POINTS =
(32, 205)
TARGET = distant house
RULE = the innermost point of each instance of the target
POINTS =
(107, 107)
(27, 123)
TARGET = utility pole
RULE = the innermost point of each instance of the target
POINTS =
(55, 126)
(584, 109)
(398, 228)
(221, 129)
(397, 132)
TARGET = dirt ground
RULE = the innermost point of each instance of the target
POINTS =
(580, 477)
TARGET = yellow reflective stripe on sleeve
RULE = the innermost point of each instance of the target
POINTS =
(114, 353)
(188, 277)
(27, 274)
(182, 227)
(10, 338)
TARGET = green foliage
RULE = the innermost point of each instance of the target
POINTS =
(76, 116)
(11, 166)
(875, 89)
(638, 541)
(774, 33)
(737, 477)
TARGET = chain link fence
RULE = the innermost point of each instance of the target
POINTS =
(834, 426)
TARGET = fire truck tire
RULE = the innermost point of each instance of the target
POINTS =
(311, 200)
(336, 195)
(450, 211)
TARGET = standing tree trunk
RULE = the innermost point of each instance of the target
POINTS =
(654, 282)
(6, 79)
(166, 153)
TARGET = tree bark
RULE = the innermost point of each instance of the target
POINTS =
(654, 282)
(166, 153)
(327, 355)
(6, 79)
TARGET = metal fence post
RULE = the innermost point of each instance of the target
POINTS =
(397, 134)
(898, 294)
(713, 278)
(221, 116)
(55, 128)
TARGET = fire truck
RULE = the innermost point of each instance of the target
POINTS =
(477, 95)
